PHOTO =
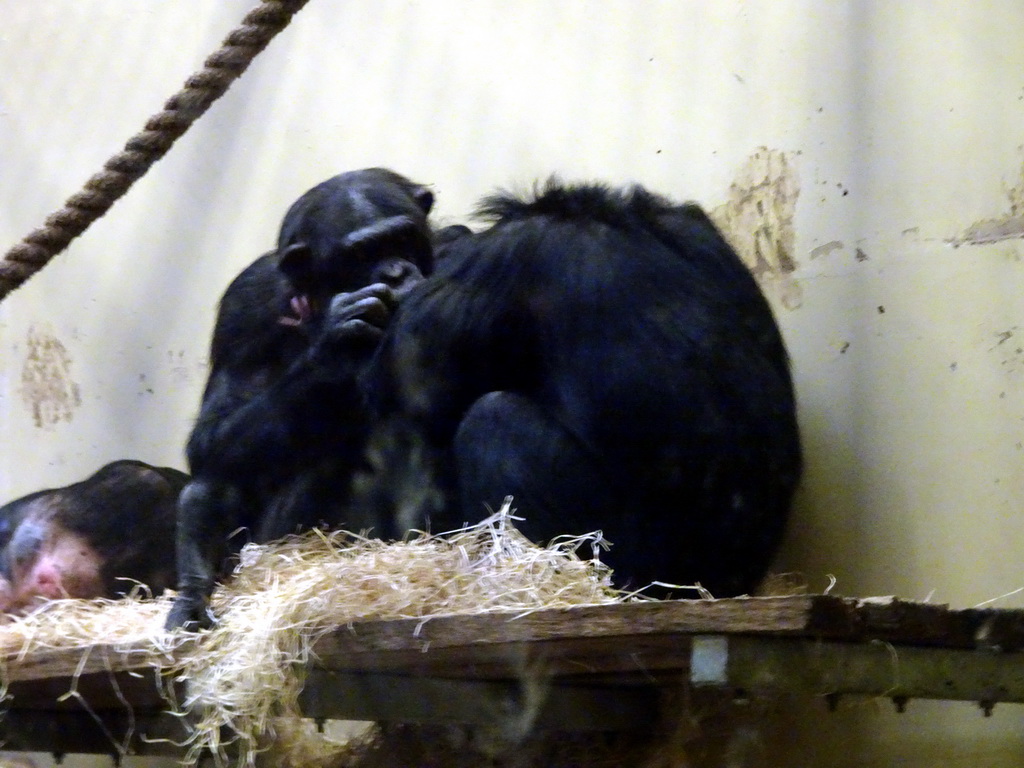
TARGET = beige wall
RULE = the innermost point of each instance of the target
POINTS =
(881, 137)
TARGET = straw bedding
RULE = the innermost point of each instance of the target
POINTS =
(245, 675)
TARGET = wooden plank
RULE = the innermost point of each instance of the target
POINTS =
(797, 665)
(598, 667)
(625, 639)
(651, 636)
(925, 624)
(102, 690)
(624, 629)
(589, 639)
(115, 733)
(998, 629)
(598, 632)
(399, 698)
(44, 663)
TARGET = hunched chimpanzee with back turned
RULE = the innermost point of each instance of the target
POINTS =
(282, 424)
(604, 357)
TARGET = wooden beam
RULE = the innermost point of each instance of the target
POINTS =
(108, 733)
(423, 700)
(47, 663)
(632, 637)
(583, 640)
(586, 668)
(797, 665)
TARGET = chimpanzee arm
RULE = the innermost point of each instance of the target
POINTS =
(201, 547)
(236, 444)
(233, 439)
(448, 346)
(245, 424)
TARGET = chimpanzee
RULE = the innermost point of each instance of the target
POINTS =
(95, 538)
(282, 424)
(603, 356)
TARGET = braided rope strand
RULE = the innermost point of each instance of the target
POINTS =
(143, 149)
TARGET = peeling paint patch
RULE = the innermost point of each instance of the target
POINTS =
(991, 231)
(1009, 226)
(826, 249)
(180, 372)
(46, 384)
(757, 219)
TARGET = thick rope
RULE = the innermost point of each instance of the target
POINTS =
(143, 149)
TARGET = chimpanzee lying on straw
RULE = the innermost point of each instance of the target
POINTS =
(95, 538)
(601, 355)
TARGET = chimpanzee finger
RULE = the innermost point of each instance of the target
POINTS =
(381, 291)
(360, 330)
(371, 309)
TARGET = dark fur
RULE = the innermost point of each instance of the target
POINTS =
(600, 354)
(606, 358)
(282, 425)
(125, 511)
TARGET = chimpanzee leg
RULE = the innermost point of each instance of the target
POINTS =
(507, 446)
(207, 513)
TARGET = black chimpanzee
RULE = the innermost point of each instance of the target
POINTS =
(604, 357)
(95, 538)
(282, 425)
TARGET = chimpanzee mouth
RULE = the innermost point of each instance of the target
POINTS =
(303, 309)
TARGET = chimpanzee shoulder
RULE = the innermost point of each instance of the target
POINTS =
(249, 315)
(684, 229)
(99, 506)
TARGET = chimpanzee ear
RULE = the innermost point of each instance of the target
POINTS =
(296, 262)
(424, 198)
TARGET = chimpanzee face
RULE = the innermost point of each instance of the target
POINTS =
(23, 548)
(47, 561)
(355, 230)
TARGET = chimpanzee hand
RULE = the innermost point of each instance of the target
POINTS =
(357, 319)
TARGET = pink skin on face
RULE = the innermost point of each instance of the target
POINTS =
(66, 567)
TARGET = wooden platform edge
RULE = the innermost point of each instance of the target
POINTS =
(601, 629)
(611, 666)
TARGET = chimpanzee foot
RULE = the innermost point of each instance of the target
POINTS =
(191, 613)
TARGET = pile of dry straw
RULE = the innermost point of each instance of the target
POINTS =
(246, 674)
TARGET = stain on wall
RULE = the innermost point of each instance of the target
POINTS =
(1009, 348)
(180, 371)
(757, 219)
(826, 249)
(1008, 226)
(46, 384)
